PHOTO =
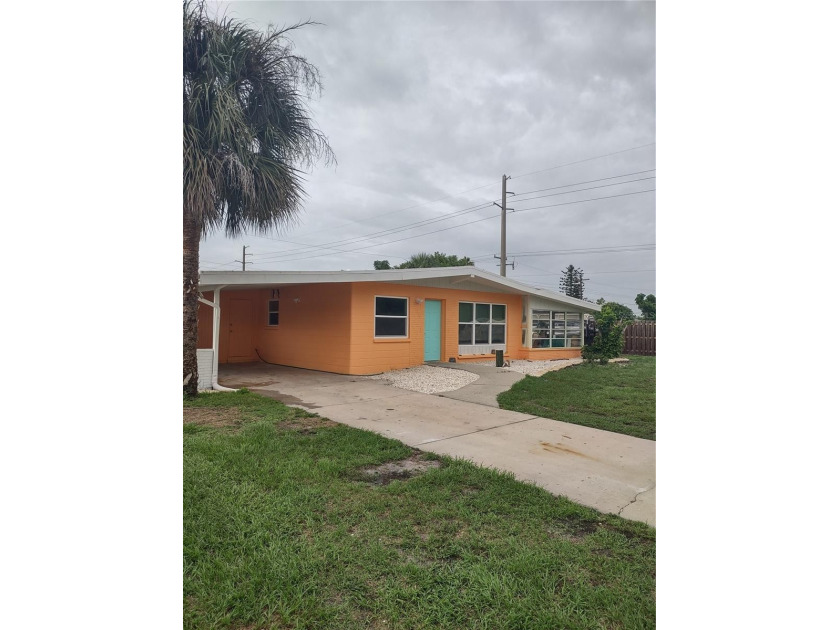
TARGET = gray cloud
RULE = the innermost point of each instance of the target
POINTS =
(424, 100)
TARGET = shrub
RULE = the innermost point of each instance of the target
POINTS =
(608, 337)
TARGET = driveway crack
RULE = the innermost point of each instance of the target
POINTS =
(498, 426)
(640, 492)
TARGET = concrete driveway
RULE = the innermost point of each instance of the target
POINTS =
(610, 472)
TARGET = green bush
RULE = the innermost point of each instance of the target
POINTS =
(608, 341)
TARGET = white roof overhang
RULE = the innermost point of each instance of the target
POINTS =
(209, 280)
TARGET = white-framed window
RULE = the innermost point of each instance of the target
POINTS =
(556, 329)
(480, 323)
(273, 312)
(390, 318)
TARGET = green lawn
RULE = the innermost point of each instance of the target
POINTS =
(619, 397)
(283, 529)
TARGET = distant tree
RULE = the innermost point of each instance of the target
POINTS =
(647, 305)
(572, 282)
(623, 313)
(424, 260)
(600, 301)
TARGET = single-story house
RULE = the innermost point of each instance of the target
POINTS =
(367, 322)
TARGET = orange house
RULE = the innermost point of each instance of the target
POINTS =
(367, 322)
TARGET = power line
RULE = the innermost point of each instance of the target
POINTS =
(602, 251)
(213, 262)
(594, 250)
(219, 264)
(479, 188)
(568, 203)
(597, 284)
(390, 212)
(588, 250)
(569, 192)
(426, 203)
(243, 261)
(470, 223)
(591, 181)
(305, 249)
(592, 273)
(279, 255)
(406, 238)
(597, 157)
(387, 232)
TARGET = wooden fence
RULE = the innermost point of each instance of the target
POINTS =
(640, 338)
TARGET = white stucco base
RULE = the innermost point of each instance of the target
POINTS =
(205, 369)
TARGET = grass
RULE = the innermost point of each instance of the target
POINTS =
(284, 529)
(619, 397)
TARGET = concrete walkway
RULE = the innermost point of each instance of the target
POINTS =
(491, 382)
(610, 472)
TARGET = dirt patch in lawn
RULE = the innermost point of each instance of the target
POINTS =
(218, 418)
(305, 424)
(574, 531)
(406, 468)
(233, 418)
(286, 399)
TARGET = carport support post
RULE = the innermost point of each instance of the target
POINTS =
(217, 309)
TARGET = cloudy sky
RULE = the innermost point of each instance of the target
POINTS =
(427, 104)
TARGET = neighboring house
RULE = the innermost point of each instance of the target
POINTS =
(366, 322)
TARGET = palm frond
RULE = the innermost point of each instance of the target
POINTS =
(247, 127)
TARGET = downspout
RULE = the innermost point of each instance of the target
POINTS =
(217, 309)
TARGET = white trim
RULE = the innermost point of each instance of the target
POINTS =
(481, 348)
(202, 353)
(475, 323)
(550, 329)
(405, 317)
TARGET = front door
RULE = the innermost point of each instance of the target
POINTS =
(431, 333)
(239, 331)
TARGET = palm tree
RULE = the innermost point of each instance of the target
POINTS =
(246, 126)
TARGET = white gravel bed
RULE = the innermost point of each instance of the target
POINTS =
(427, 379)
(538, 368)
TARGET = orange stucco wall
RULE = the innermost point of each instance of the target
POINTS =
(314, 329)
(330, 327)
(549, 354)
(370, 355)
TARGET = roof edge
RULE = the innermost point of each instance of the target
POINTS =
(209, 279)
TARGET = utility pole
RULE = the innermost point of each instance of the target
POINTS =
(512, 265)
(243, 257)
(503, 257)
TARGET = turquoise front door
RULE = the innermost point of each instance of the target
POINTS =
(431, 334)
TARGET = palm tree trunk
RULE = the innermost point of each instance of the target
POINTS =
(192, 237)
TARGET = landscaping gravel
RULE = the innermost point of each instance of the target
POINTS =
(427, 379)
(536, 368)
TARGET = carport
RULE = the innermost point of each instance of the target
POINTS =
(372, 321)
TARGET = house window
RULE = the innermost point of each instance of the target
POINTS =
(555, 329)
(391, 317)
(481, 324)
(273, 312)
